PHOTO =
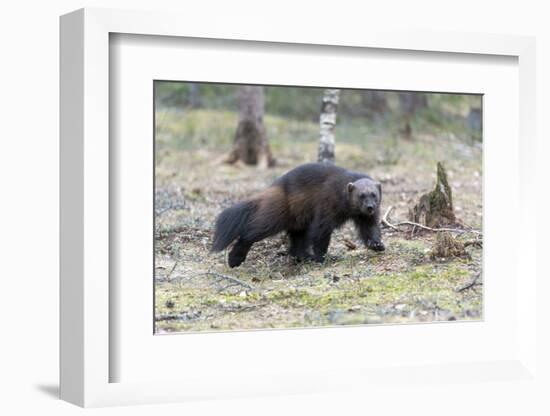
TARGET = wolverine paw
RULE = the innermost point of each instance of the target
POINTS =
(235, 260)
(376, 245)
(300, 257)
(318, 258)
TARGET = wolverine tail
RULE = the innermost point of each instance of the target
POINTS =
(231, 224)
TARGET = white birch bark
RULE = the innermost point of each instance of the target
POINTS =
(327, 122)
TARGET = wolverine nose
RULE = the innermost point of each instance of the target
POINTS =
(370, 209)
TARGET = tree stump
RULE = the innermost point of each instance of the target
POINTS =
(250, 145)
(435, 209)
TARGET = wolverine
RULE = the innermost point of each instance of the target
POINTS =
(309, 203)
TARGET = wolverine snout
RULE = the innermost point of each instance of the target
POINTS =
(369, 208)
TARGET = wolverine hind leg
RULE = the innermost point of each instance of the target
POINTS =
(238, 253)
(320, 240)
(241, 248)
(262, 225)
(298, 245)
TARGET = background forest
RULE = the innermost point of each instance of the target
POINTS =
(425, 274)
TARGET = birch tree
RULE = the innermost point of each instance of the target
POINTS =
(250, 145)
(327, 122)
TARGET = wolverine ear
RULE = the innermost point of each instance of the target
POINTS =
(351, 187)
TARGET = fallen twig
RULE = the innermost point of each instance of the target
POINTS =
(171, 270)
(424, 227)
(231, 279)
(243, 308)
(476, 243)
(350, 244)
(182, 229)
(168, 317)
(175, 206)
(385, 219)
(470, 284)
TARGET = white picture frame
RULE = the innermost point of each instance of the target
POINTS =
(86, 356)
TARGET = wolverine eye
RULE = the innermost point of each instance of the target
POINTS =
(372, 195)
(362, 196)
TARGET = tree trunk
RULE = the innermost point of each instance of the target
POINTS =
(473, 120)
(327, 123)
(410, 103)
(194, 95)
(374, 103)
(250, 145)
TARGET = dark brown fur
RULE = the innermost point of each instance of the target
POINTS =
(309, 203)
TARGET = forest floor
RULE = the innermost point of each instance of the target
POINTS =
(196, 290)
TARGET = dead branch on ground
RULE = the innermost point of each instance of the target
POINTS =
(350, 244)
(470, 284)
(171, 270)
(395, 227)
(232, 279)
(243, 308)
(476, 243)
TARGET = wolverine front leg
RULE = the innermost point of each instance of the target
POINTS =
(369, 231)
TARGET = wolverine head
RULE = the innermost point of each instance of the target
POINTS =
(364, 196)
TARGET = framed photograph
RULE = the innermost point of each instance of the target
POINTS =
(280, 214)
